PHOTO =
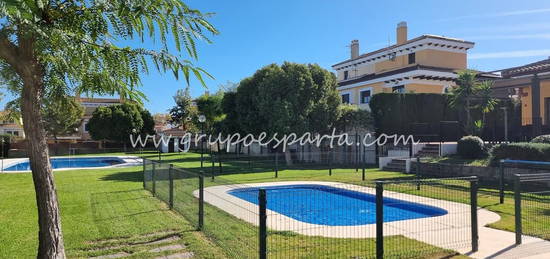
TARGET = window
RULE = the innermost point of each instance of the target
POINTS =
(412, 58)
(345, 98)
(398, 89)
(86, 127)
(346, 75)
(365, 96)
(12, 132)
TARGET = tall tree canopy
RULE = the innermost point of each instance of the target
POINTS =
(62, 116)
(54, 47)
(291, 98)
(183, 114)
(211, 107)
(118, 122)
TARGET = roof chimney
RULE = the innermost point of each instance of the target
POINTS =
(354, 47)
(401, 32)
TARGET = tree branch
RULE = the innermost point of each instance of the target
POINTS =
(8, 51)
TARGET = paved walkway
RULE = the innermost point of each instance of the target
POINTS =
(500, 244)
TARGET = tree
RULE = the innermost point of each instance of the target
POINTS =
(291, 98)
(486, 102)
(182, 114)
(351, 117)
(62, 115)
(118, 122)
(211, 107)
(50, 46)
(468, 91)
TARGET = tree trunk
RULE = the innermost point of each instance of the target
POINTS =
(49, 219)
(469, 129)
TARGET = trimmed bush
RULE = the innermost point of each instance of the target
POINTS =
(541, 139)
(520, 151)
(471, 147)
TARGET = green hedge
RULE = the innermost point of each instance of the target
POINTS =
(395, 113)
(520, 151)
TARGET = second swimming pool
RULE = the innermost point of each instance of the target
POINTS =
(328, 205)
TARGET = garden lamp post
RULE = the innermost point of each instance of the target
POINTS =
(70, 151)
(202, 119)
(505, 123)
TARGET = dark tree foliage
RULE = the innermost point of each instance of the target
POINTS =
(211, 107)
(291, 98)
(118, 122)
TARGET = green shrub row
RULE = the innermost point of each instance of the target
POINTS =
(520, 151)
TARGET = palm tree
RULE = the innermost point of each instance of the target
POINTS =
(486, 102)
(469, 89)
(462, 94)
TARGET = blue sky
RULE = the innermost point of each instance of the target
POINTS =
(256, 33)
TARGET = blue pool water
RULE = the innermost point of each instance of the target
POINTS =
(78, 162)
(326, 205)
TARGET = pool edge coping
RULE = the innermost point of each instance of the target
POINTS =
(424, 229)
(12, 161)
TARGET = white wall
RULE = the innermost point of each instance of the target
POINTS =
(448, 149)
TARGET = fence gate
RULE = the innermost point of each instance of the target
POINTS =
(532, 205)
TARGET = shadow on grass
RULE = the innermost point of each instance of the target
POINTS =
(132, 176)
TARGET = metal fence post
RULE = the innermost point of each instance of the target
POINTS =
(249, 158)
(213, 167)
(201, 201)
(501, 182)
(171, 186)
(356, 152)
(153, 179)
(220, 163)
(364, 163)
(379, 220)
(262, 202)
(473, 210)
(517, 202)
(330, 161)
(276, 164)
(418, 173)
(143, 160)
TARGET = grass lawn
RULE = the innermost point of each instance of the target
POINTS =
(103, 212)
(109, 209)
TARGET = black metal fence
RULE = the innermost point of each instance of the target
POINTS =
(385, 219)
(217, 164)
(532, 206)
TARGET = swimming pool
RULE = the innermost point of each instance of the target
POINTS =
(333, 206)
(78, 162)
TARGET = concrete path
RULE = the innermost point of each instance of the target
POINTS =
(500, 244)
